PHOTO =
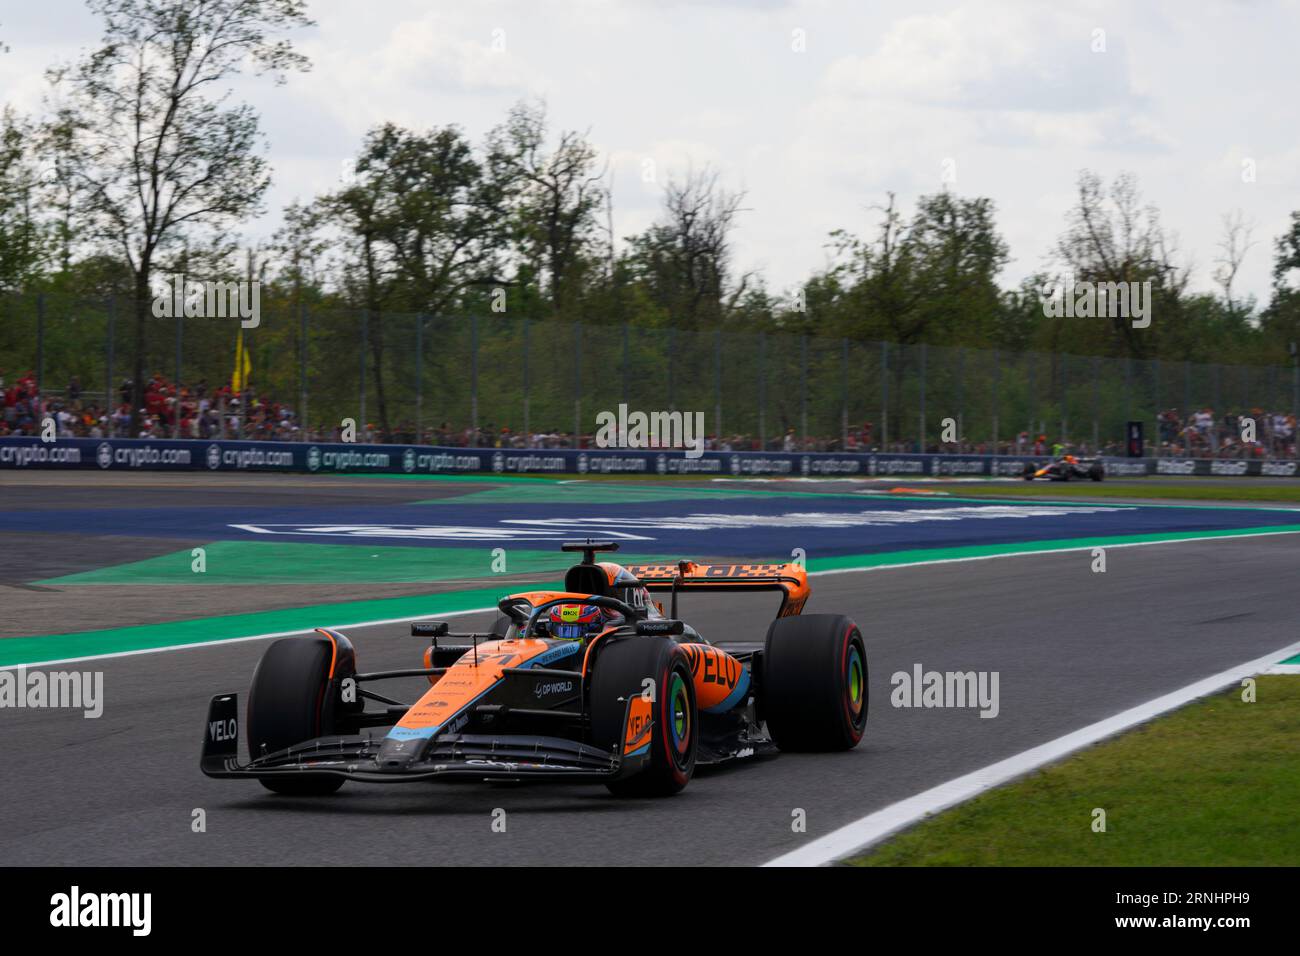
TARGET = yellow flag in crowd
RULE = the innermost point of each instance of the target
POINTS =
(243, 366)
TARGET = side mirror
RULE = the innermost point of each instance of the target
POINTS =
(660, 628)
(429, 629)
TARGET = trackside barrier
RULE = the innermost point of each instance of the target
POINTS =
(125, 454)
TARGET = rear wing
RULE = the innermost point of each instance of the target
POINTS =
(790, 579)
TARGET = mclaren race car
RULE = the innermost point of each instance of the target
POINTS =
(593, 683)
(1067, 468)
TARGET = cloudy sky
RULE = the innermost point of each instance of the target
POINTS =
(815, 108)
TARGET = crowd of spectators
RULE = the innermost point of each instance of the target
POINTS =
(170, 410)
(1255, 433)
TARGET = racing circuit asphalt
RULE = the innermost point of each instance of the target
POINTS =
(1071, 647)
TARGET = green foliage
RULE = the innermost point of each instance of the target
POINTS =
(147, 151)
(24, 238)
(1207, 785)
(519, 228)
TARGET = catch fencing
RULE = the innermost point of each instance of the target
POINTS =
(458, 379)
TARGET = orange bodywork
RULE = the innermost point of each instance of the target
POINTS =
(790, 579)
(639, 719)
(719, 677)
(475, 673)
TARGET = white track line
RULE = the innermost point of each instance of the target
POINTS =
(864, 832)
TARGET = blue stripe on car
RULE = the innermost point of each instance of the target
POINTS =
(735, 697)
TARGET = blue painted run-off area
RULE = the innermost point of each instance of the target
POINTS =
(759, 527)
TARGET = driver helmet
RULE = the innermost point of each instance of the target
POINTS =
(573, 622)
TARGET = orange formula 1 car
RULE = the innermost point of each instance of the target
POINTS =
(592, 683)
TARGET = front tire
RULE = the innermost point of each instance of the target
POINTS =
(621, 667)
(814, 683)
(292, 700)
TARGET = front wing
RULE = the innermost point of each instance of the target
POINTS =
(449, 756)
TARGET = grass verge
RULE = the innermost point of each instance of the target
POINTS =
(1216, 783)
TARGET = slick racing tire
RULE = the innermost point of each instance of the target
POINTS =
(814, 683)
(619, 673)
(1028, 473)
(1097, 472)
(293, 699)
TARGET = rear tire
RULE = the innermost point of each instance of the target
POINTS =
(620, 668)
(291, 701)
(814, 683)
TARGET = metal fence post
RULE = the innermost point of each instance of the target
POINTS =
(419, 378)
(762, 391)
(473, 377)
(1029, 358)
(924, 357)
(626, 360)
(803, 387)
(844, 393)
(108, 386)
(302, 370)
(997, 388)
(1096, 405)
(577, 384)
(1128, 391)
(717, 385)
(884, 395)
(365, 338)
(961, 398)
(528, 431)
(40, 342)
(672, 369)
(1155, 410)
(176, 408)
(1065, 398)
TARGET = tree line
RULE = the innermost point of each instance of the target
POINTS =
(142, 166)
